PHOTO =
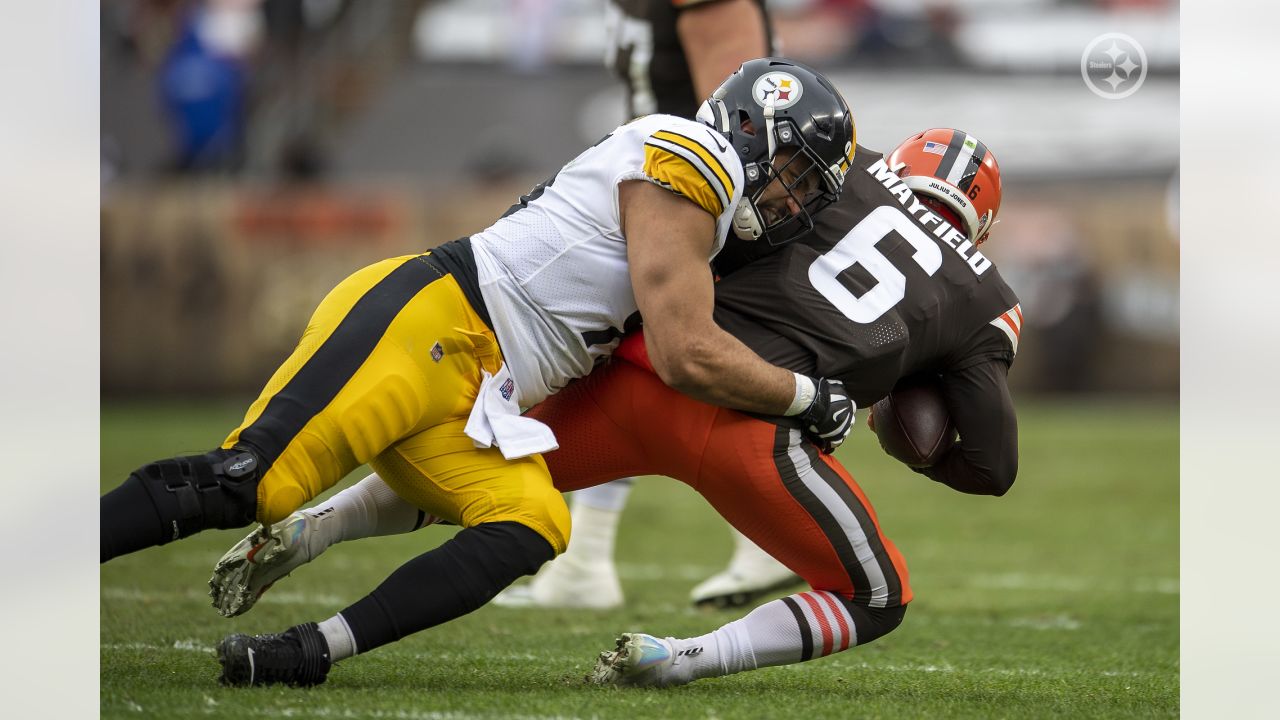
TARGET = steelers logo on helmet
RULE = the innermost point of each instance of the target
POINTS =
(793, 133)
(778, 89)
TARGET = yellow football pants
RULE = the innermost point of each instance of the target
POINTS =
(386, 373)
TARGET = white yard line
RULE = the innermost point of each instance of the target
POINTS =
(186, 645)
(196, 646)
(947, 668)
(1073, 583)
(279, 597)
(312, 711)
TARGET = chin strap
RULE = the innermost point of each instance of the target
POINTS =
(768, 131)
(746, 221)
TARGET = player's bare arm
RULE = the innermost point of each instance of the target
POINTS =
(668, 242)
(717, 36)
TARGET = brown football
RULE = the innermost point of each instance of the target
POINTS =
(912, 423)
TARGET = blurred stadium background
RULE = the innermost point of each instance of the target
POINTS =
(253, 153)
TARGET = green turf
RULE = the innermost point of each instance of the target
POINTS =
(1057, 600)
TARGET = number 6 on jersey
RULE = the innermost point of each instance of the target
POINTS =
(858, 247)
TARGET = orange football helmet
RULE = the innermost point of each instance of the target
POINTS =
(955, 169)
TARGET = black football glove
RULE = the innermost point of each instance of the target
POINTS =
(829, 418)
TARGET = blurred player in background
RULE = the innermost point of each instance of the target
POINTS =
(670, 55)
(419, 365)
(889, 285)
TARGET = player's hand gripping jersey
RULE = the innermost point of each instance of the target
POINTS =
(553, 270)
(883, 289)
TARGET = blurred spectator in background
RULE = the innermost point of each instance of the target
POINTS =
(901, 33)
(533, 43)
(203, 84)
(907, 33)
(1054, 275)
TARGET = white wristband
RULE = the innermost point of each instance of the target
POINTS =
(806, 390)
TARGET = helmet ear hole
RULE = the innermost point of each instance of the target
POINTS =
(745, 124)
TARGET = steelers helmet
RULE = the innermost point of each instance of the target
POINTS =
(954, 169)
(770, 105)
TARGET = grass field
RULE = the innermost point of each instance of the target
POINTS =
(1057, 600)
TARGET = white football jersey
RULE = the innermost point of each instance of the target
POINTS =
(553, 271)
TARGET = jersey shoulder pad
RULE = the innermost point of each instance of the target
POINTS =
(1010, 323)
(692, 160)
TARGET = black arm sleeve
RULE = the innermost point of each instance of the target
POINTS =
(985, 461)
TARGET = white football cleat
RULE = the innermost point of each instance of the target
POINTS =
(567, 583)
(255, 563)
(640, 660)
(751, 574)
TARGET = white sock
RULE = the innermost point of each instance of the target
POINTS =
(336, 631)
(609, 496)
(370, 508)
(594, 534)
(724, 651)
(770, 635)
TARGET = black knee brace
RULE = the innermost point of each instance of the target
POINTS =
(217, 490)
(871, 623)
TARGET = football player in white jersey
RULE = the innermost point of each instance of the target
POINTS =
(670, 55)
(419, 365)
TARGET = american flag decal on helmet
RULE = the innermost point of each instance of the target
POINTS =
(1010, 323)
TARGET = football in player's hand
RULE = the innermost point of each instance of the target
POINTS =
(913, 425)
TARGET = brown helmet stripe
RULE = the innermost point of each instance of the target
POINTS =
(953, 153)
(975, 162)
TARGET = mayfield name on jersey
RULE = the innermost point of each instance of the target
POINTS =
(942, 229)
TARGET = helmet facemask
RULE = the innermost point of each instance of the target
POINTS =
(793, 166)
(794, 135)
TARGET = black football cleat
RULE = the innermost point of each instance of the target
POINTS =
(298, 656)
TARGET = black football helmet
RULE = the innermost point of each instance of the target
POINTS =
(772, 104)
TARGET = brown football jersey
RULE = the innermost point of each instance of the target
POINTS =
(880, 290)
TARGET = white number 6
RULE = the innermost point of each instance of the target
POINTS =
(858, 247)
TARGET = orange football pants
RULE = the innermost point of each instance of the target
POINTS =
(800, 505)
